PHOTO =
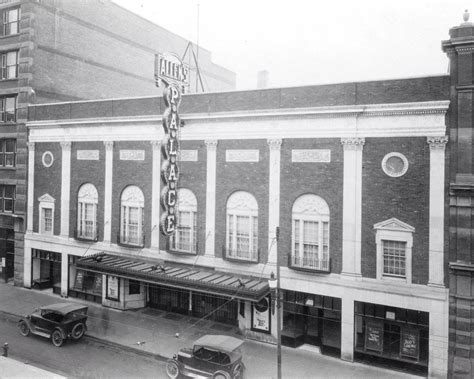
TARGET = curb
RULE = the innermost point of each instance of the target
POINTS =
(14, 317)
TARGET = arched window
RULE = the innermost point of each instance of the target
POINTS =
(242, 227)
(131, 229)
(185, 237)
(310, 225)
(87, 199)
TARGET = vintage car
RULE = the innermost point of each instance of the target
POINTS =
(57, 321)
(213, 356)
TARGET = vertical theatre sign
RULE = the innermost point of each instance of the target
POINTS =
(170, 71)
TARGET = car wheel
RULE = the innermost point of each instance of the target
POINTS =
(24, 328)
(57, 338)
(172, 369)
(220, 375)
(78, 331)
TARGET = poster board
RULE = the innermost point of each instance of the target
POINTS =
(410, 343)
(113, 288)
(79, 283)
(261, 316)
(374, 335)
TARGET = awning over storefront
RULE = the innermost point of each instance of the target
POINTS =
(178, 276)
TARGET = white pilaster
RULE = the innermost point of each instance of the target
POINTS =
(347, 329)
(436, 232)
(352, 206)
(210, 197)
(109, 157)
(155, 199)
(31, 186)
(64, 274)
(438, 342)
(273, 198)
(65, 187)
(27, 272)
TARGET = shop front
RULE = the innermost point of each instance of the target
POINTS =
(393, 337)
(312, 319)
(200, 292)
(7, 252)
(46, 270)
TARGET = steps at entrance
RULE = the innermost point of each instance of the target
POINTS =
(311, 348)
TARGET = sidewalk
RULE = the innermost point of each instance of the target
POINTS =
(162, 334)
(16, 369)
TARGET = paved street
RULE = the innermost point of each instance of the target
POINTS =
(109, 349)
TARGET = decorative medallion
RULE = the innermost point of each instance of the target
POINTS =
(47, 159)
(395, 164)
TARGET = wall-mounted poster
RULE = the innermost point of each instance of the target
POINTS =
(409, 343)
(113, 287)
(261, 316)
(374, 335)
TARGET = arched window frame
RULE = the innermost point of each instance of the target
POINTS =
(310, 233)
(242, 208)
(87, 201)
(132, 203)
(185, 238)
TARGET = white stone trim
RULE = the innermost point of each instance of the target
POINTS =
(352, 207)
(155, 199)
(388, 171)
(65, 187)
(109, 152)
(43, 158)
(211, 163)
(394, 230)
(437, 203)
(274, 146)
(31, 185)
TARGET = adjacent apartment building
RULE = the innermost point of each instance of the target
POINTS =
(64, 50)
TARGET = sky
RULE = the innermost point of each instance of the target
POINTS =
(304, 42)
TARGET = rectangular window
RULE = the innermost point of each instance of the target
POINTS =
(7, 153)
(7, 198)
(133, 287)
(11, 21)
(394, 258)
(9, 65)
(132, 222)
(47, 220)
(8, 109)
(310, 244)
(185, 237)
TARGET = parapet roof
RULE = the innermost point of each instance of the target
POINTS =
(407, 90)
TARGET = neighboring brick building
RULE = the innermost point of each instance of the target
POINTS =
(460, 49)
(60, 50)
(353, 175)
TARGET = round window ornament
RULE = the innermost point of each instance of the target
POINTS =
(395, 165)
(47, 159)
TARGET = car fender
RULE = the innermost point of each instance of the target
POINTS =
(63, 333)
(28, 322)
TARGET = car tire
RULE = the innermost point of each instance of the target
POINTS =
(220, 375)
(24, 328)
(78, 331)
(172, 369)
(57, 338)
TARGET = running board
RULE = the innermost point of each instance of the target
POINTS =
(42, 334)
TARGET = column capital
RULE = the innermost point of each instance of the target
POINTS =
(353, 143)
(31, 146)
(155, 145)
(438, 142)
(65, 145)
(274, 143)
(109, 145)
(211, 144)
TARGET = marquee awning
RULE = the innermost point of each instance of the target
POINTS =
(175, 275)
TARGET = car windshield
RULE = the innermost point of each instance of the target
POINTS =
(212, 356)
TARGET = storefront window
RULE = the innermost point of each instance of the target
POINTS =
(88, 282)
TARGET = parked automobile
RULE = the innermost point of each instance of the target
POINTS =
(57, 321)
(213, 356)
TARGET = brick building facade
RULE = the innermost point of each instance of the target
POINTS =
(71, 50)
(353, 175)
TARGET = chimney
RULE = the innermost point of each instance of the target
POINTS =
(262, 79)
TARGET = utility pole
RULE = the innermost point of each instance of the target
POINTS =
(278, 306)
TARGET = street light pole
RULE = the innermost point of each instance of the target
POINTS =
(275, 286)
